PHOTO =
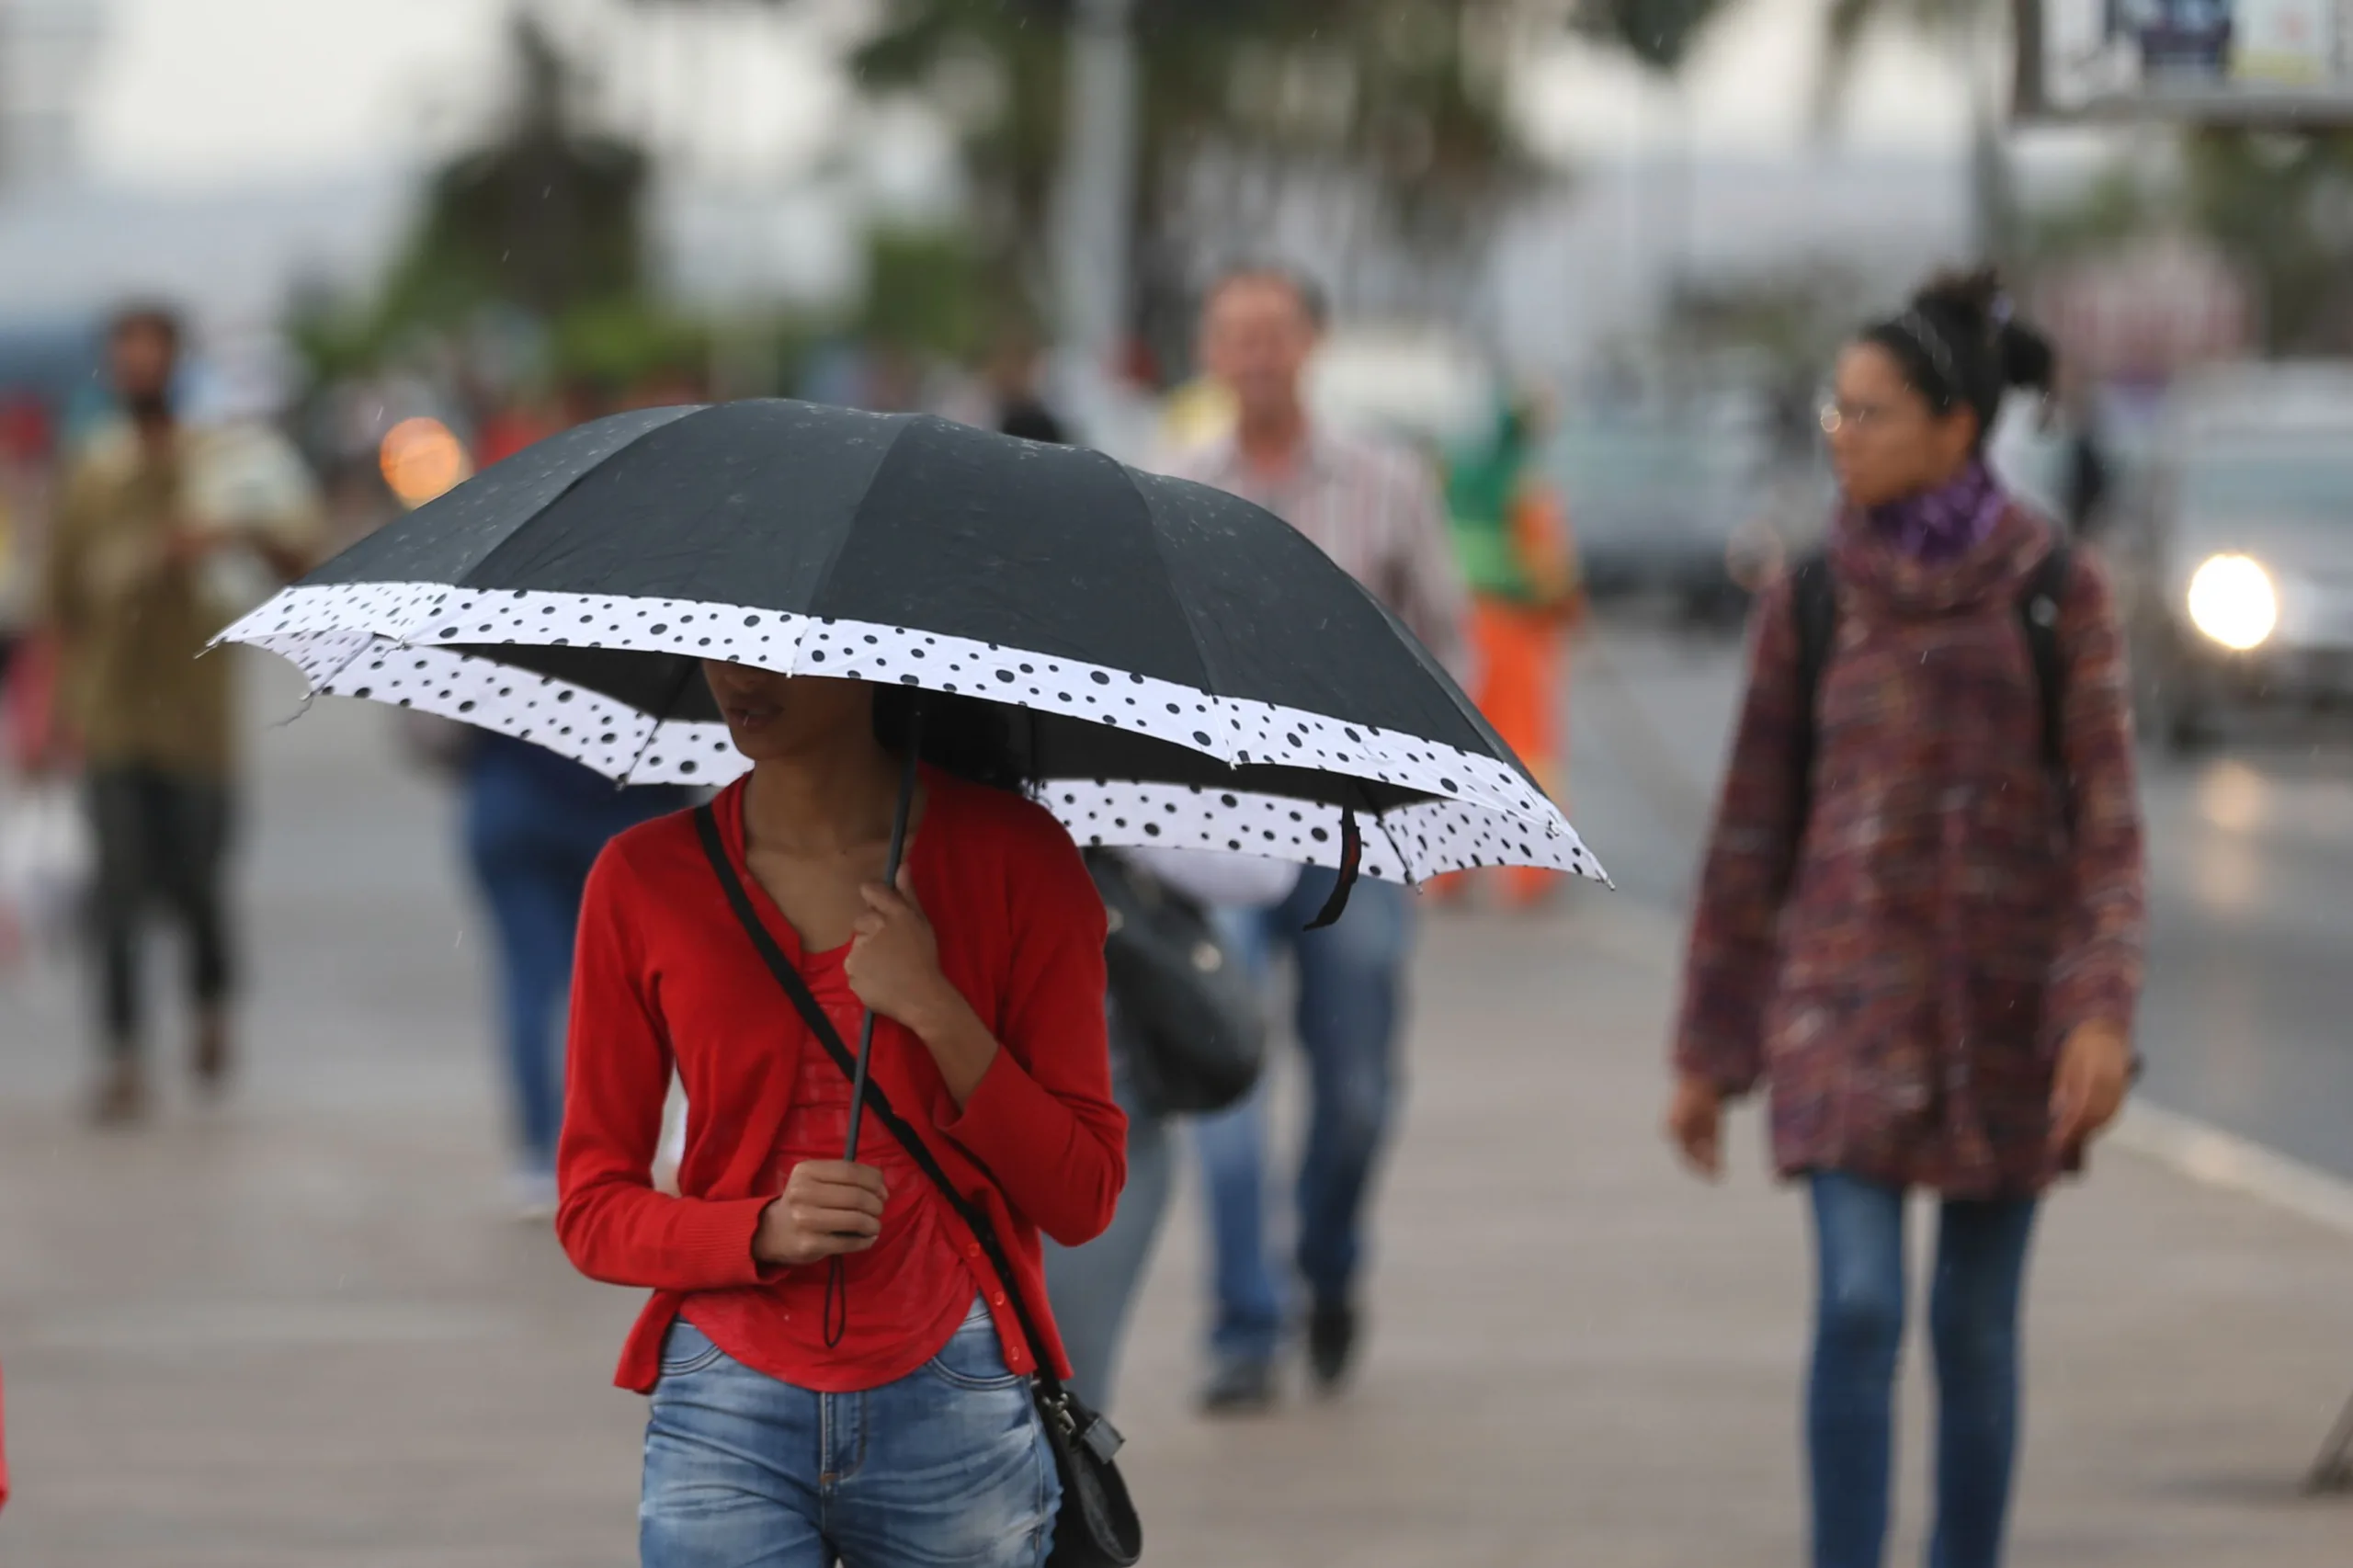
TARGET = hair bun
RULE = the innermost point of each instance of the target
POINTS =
(1970, 297)
(2026, 357)
(1975, 304)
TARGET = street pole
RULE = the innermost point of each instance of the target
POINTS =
(1991, 192)
(1097, 187)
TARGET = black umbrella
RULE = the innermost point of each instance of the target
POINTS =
(1187, 669)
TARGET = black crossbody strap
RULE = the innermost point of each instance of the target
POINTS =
(878, 1105)
(2046, 590)
(1814, 609)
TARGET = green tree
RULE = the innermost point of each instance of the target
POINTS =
(1963, 31)
(2276, 205)
(924, 293)
(544, 217)
(1399, 105)
(2281, 208)
(1398, 108)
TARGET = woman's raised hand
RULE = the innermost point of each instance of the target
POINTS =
(893, 963)
(827, 1208)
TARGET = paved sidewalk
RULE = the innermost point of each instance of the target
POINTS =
(296, 1331)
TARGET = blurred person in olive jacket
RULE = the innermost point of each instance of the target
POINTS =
(132, 593)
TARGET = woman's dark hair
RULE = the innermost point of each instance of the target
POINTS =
(1962, 347)
(962, 736)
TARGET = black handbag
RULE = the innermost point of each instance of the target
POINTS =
(1195, 1018)
(1097, 1527)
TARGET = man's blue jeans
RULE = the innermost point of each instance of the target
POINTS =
(1351, 978)
(945, 1468)
(1858, 1333)
(1093, 1287)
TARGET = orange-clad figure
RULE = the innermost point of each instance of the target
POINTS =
(1517, 552)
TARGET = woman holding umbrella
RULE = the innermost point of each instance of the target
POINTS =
(851, 1356)
(842, 1330)
(1921, 916)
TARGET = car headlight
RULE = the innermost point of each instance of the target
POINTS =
(2232, 601)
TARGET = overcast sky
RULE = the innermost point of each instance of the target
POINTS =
(194, 93)
(234, 92)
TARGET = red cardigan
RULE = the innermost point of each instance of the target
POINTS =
(666, 977)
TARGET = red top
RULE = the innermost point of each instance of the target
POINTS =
(665, 977)
(905, 1295)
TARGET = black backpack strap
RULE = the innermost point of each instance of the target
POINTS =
(1813, 613)
(878, 1105)
(2039, 607)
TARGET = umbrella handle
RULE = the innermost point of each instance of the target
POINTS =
(891, 876)
(836, 1308)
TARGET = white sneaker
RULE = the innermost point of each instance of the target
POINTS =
(531, 1195)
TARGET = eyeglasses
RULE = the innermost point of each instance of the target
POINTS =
(1861, 418)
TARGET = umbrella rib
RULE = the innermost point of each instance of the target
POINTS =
(1183, 614)
(463, 582)
(1404, 861)
(324, 682)
(902, 422)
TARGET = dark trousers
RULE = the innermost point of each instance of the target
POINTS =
(163, 834)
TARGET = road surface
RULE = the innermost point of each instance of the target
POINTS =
(298, 1330)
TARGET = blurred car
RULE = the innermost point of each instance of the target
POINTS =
(2235, 562)
(1698, 502)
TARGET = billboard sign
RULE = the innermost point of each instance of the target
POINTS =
(2242, 60)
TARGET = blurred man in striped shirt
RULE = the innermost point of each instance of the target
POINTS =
(1375, 510)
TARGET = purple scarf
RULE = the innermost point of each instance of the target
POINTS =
(1946, 522)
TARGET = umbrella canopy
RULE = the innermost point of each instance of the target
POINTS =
(1187, 669)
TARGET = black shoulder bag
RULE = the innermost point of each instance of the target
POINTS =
(1097, 1527)
(1196, 1023)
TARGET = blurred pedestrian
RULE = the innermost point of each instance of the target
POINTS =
(1512, 534)
(1921, 916)
(1093, 1287)
(534, 825)
(836, 1372)
(1013, 384)
(2088, 477)
(513, 425)
(1375, 511)
(134, 594)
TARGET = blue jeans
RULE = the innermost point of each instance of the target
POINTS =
(945, 1468)
(1351, 978)
(532, 832)
(1858, 1333)
(1094, 1287)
